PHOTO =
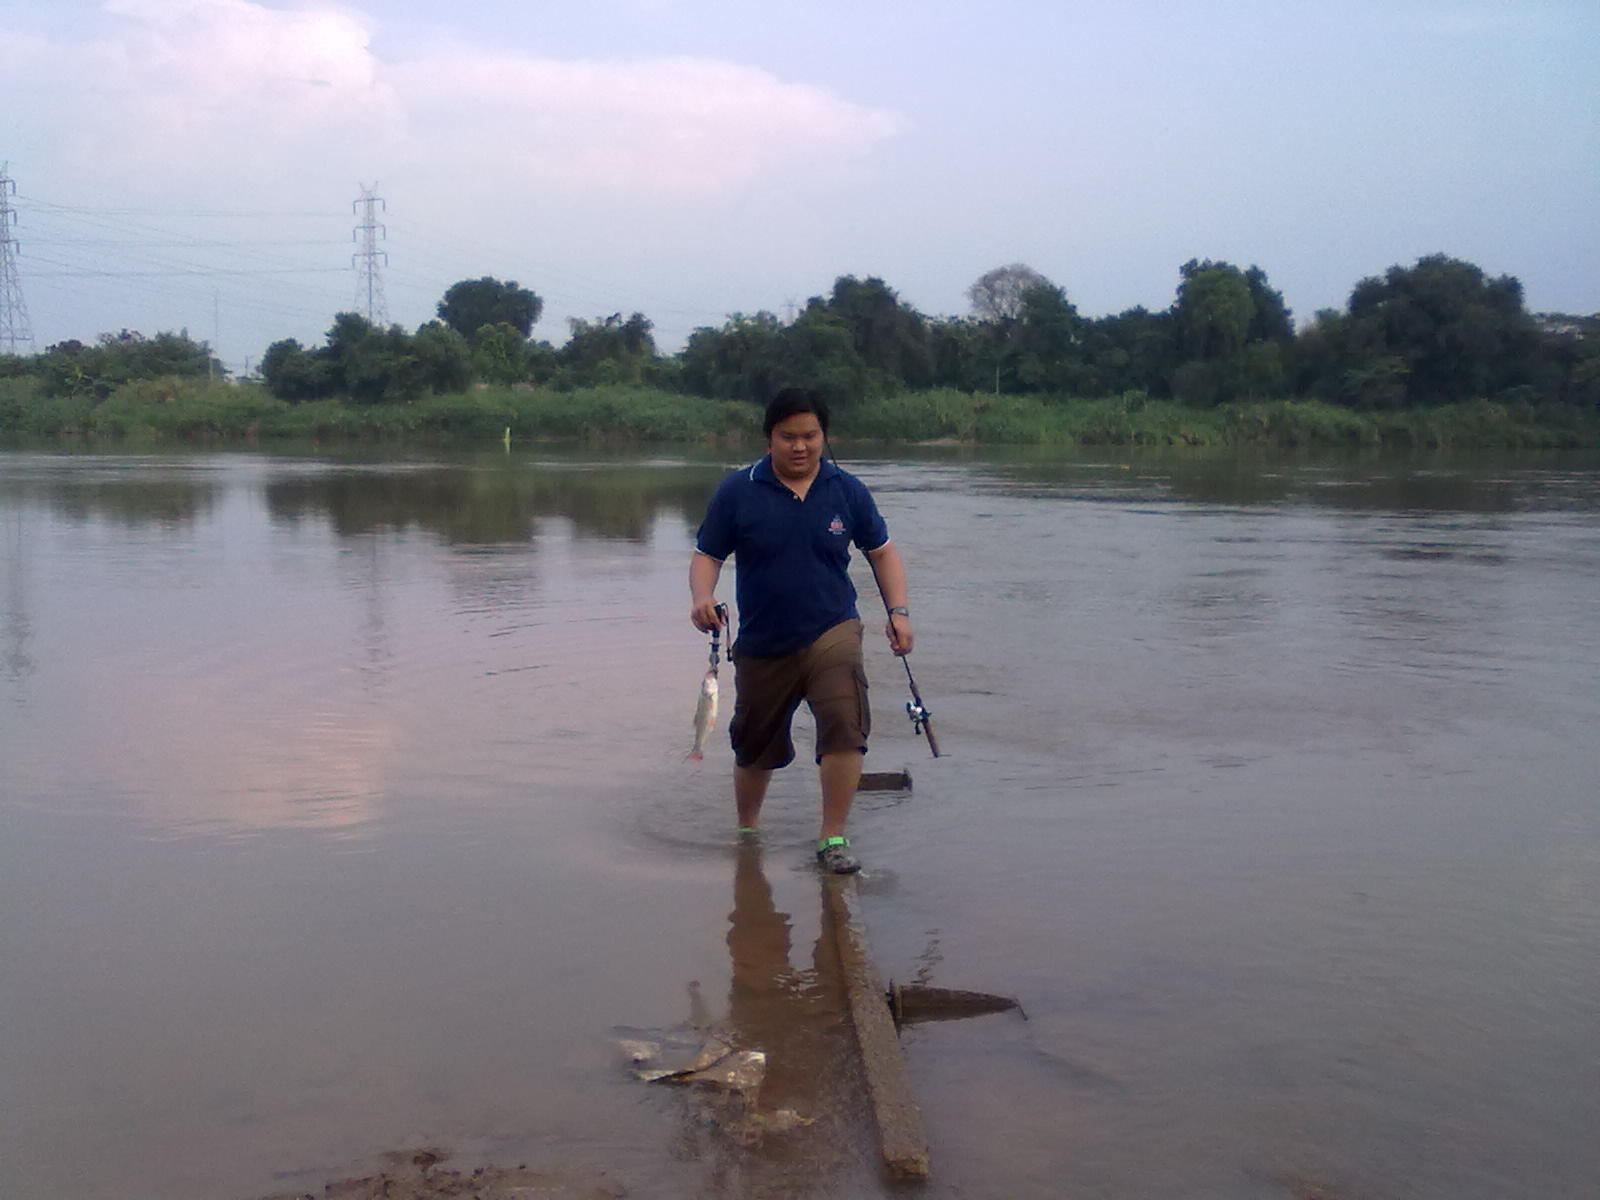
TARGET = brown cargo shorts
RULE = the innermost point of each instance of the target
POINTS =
(828, 675)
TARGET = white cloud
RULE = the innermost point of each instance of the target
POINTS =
(681, 124)
(194, 89)
(177, 90)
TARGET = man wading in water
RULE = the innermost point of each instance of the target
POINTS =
(790, 520)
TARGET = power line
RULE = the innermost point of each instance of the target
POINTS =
(140, 250)
(323, 244)
(220, 214)
(147, 264)
(147, 254)
(202, 272)
(15, 331)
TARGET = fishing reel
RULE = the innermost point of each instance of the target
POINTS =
(919, 716)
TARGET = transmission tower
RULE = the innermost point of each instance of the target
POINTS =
(15, 332)
(369, 260)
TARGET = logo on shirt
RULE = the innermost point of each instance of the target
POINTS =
(836, 526)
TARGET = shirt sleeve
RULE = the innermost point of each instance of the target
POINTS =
(716, 534)
(870, 532)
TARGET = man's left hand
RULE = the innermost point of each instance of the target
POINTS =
(899, 631)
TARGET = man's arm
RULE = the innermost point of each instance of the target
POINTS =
(890, 573)
(704, 571)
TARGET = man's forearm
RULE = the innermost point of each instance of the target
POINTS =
(704, 571)
(890, 573)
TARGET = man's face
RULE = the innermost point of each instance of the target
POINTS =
(796, 445)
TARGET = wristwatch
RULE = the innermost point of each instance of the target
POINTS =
(899, 610)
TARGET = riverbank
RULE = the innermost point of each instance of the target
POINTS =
(174, 409)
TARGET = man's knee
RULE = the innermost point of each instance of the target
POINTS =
(844, 718)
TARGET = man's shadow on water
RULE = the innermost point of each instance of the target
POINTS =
(808, 1123)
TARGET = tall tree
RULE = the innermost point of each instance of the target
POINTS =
(473, 303)
(742, 360)
(1344, 361)
(1213, 310)
(891, 338)
(1569, 357)
(293, 373)
(369, 364)
(961, 349)
(1233, 330)
(500, 354)
(444, 358)
(70, 367)
(819, 352)
(996, 295)
(609, 349)
(1460, 334)
(1271, 321)
(1047, 346)
(372, 364)
(1135, 350)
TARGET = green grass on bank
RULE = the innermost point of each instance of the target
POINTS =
(167, 409)
(198, 409)
(1135, 420)
(588, 414)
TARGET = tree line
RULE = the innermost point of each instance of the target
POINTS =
(1437, 332)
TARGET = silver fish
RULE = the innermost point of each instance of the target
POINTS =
(705, 715)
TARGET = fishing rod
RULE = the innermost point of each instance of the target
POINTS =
(921, 718)
(716, 637)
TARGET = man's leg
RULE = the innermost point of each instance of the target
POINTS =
(749, 790)
(840, 773)
(837, 692)
(766, 693)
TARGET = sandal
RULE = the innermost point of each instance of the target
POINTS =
(834, 855)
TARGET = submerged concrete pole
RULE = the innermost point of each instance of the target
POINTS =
(894, 1108)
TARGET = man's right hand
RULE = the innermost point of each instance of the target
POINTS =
(703, 574)
(705, 616)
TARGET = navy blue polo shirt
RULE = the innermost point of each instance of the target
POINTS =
(794, 555)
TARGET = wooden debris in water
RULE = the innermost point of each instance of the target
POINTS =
(914, 1003)
(885, 781)
(894, 1107)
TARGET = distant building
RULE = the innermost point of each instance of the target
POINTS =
(1567, 325)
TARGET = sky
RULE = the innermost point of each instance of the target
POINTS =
(192, 164)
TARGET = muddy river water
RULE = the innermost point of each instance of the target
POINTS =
(344, 809)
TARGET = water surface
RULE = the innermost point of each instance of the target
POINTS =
(345, 809)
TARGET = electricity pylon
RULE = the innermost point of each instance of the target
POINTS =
(369, 260)
(15, 332)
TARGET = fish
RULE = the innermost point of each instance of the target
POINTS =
(705, 715)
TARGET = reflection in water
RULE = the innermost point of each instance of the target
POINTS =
(16, 628)
(323, 767)
(378, 658)
(1384, 484)
(799, 1018)
(477, 503)
(131, 493)
(494, 504)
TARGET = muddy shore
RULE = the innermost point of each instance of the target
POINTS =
(422, 1175)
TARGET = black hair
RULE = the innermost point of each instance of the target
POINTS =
(791, 402)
